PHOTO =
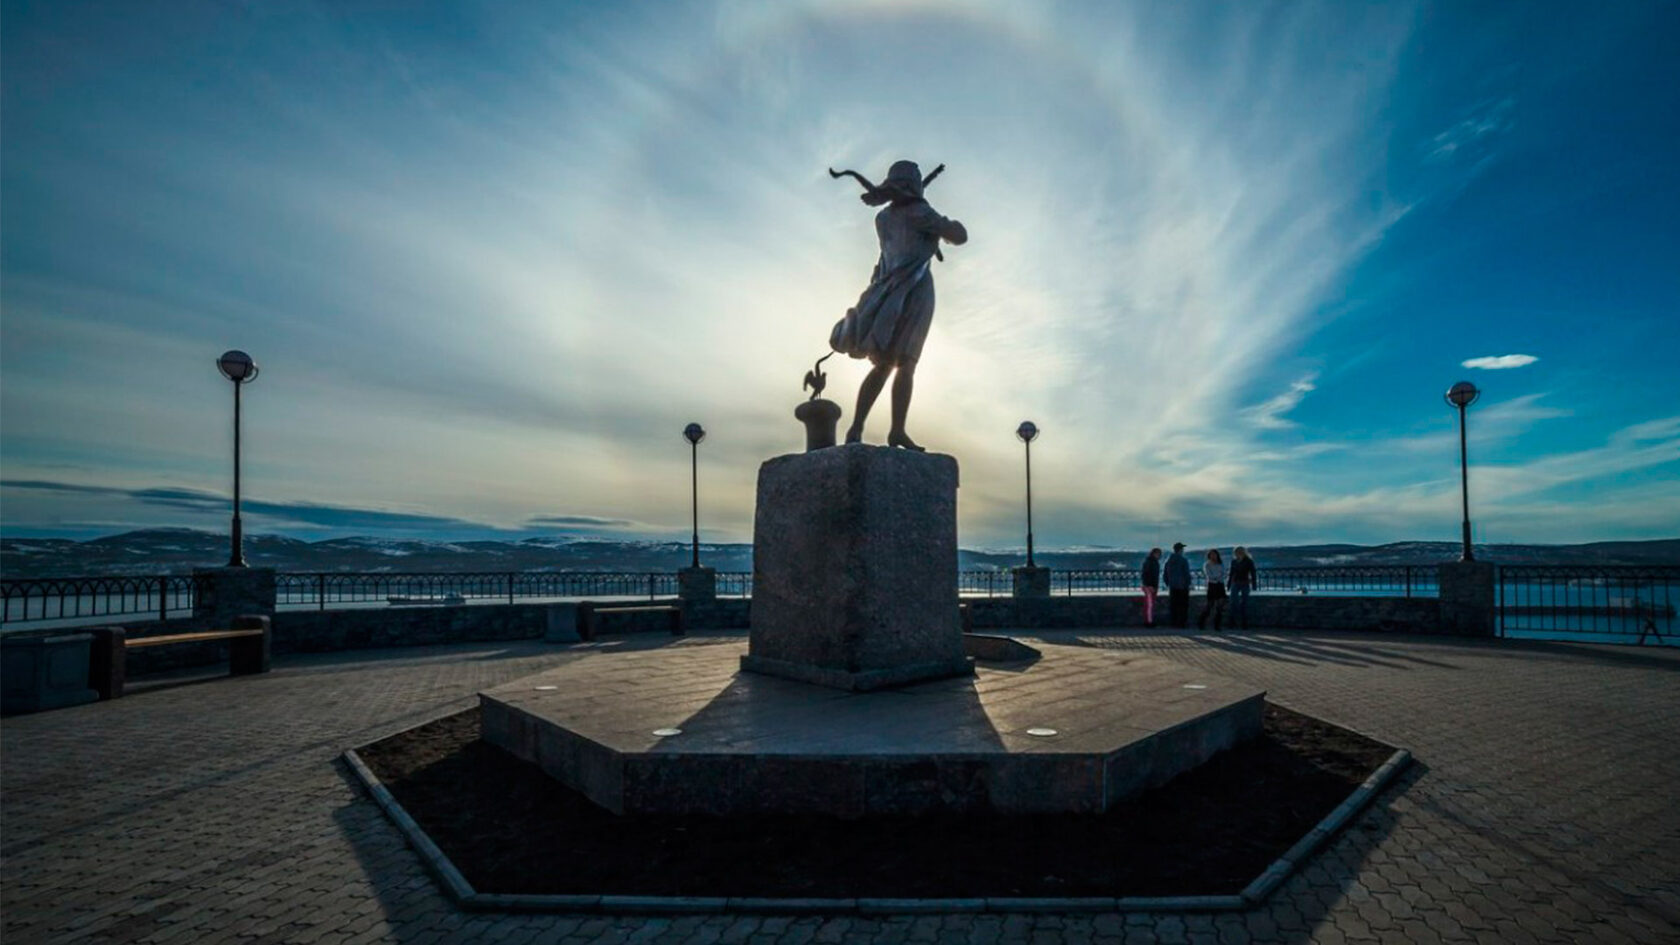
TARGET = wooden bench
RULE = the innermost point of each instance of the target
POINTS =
(589, 616)
(248, 651)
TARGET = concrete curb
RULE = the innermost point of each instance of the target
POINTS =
(462, 892)
(440, 865)
(1267, 882)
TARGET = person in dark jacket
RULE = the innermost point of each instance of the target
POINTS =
(1176, 573)
(1151, 580)
(1244, 578)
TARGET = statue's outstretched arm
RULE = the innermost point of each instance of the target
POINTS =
(954, 233)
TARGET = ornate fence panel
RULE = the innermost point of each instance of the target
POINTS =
(327, 589)
(1400, 580)
(157, 595)
(734, 583)
(1621, 604)
(1096, 581)
(985, 583)
(1382, 580)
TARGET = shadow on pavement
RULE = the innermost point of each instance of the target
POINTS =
(403, 886)
(1339, 861)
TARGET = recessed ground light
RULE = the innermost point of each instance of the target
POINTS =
(667, 732)
(1194, 685)
(1041, 732)
(546, 688)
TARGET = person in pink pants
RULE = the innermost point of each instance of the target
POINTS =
(1150, 573)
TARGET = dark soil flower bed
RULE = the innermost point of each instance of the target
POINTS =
(510, 828)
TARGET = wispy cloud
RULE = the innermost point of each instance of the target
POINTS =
(294, 515)
(212, 508)
(640, 233)
(1501, 362)
(1486, 120)
(493, 278)
(587, 521)
(1495, 422)
(1270, 414)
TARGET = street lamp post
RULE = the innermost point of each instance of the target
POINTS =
(1462, 395)
(1028, 431)
(694, 433)
(237, 367)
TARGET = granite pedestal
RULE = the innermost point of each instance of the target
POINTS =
(48, 671)
(1031, 582)
(697, 584)
(855, 568)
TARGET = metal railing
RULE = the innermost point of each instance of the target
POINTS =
(1616, 603)
(41, 599)
(1399, 580)
(322, 589)
(985, 583)
(1383, 580)
(1096, 580)
(159, 595)
(734, 583)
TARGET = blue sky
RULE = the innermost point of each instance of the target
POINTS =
(493, 256)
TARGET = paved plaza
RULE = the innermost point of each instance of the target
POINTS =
(1542, 806)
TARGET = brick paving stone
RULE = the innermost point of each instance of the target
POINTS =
(1540, 809)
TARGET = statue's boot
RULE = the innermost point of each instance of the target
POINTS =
(854, 435)
(898, 438)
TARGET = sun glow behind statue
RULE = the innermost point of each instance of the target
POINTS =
(490, 265)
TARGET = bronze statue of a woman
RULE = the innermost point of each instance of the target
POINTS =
(891, 319)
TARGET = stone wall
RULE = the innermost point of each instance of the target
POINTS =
(719, 613)
(320, 631)
(1295, 612)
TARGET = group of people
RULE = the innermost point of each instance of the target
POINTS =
(1232, 585)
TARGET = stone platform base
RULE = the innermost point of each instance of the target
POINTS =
(1108, 725)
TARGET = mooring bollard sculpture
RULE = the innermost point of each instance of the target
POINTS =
(821, 417)
(890, 321)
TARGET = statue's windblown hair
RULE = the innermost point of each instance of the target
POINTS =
(875, 196)
(872, 195)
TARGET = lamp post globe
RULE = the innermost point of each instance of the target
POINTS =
(694, 433)
(1462, 395)
(238, 367)
(1027, 432)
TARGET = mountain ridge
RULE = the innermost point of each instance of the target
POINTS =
(179, 550)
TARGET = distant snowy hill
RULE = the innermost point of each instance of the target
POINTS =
(170, 550)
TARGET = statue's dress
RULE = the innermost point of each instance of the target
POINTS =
(893, 314)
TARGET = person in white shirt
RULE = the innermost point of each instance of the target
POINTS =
(1214, 572)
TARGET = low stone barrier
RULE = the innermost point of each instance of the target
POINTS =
(719, 613)
(324, 631)
(1295, 612)
(321, 631)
